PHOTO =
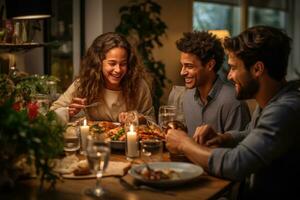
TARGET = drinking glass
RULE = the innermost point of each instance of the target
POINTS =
(43, 102)
(166, 114)
(151, 150)
(71, 138)
(98, 152)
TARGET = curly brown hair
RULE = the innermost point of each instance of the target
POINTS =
(204, 45)
(90, 82)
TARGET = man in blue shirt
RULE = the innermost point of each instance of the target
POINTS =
(266, 155)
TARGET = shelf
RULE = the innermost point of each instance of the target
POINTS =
(10, 48)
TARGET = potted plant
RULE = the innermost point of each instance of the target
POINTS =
(141, 23)
(29, 140)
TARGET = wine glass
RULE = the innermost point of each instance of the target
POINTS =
(98, 152)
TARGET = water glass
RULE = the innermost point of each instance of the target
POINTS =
(43, 102)
(151, 150)
(52, 85)
(166, 114)
(72, 138)
(98, 152)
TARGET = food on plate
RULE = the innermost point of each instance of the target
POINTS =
(82, 168)
(108, 125)
(146, 132)
(158, 174)
(116, 134)
(102, 126)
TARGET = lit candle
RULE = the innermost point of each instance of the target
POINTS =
(84, 131)
(132, 144)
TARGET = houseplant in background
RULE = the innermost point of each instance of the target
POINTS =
(141, 23)
(29, 140)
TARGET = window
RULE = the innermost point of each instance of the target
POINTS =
(210, 16)
(225, 14)
(267, 16)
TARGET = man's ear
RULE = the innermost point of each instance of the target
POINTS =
(258, 69)
(211, 64)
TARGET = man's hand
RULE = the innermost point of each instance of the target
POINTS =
(206, 135)
(76, 105)
(175, 139)
(203, 134)
(220, 140)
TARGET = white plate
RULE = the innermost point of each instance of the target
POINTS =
(187, 172)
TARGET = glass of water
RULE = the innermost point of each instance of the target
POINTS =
(98, 152)
(166, 114)
(72, 138)
(43, 103)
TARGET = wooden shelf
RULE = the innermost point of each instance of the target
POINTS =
(10, 48)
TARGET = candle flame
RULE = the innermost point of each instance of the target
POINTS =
(84, 122)
(131, 128)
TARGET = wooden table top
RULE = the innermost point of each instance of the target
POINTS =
(205, 187)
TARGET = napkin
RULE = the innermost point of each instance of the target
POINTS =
(116, 168)
(69, 164)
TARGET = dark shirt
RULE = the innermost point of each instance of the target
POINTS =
(267, 154)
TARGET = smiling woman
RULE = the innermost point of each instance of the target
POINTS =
(114, 68)
(111, 75)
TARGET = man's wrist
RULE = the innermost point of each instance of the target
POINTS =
(227, 139)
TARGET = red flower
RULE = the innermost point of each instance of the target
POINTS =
(17, 106)
(32, 108)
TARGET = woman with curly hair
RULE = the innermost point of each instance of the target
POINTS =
(110, 75)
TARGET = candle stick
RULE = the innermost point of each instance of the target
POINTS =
(84, 131)
(132, 144)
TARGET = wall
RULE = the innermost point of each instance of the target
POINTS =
(93, 20)
(178, 21)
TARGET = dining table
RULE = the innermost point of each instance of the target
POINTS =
(203, 187)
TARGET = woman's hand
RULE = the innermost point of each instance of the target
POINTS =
(130, 116)
(76, 105)
(122, 117)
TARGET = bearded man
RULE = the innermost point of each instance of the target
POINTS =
(265, 156)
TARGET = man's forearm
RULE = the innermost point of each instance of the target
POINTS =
(196, 153)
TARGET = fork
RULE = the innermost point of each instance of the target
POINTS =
(92, 105)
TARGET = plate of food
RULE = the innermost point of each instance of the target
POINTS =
(115, 132)
(166, 174)
(117, 135)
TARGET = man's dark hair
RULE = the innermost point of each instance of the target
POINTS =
(262, 43)
(204, 45)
